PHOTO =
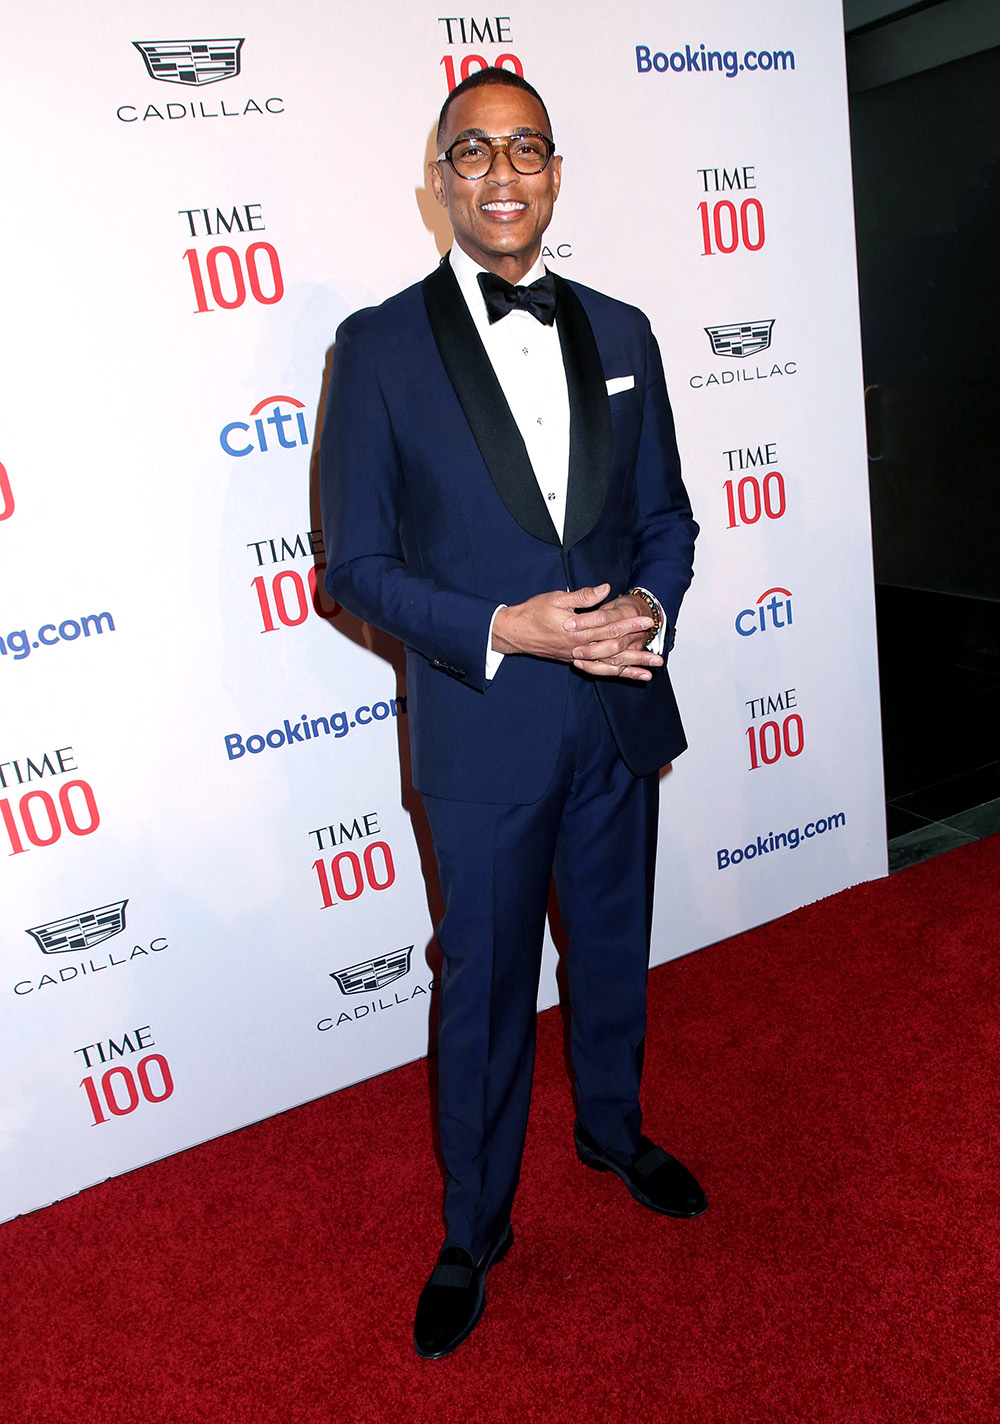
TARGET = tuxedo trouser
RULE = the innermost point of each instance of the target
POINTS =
(595, 828)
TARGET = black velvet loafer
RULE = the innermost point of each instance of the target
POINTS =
(454, 1298)
(654, 1178)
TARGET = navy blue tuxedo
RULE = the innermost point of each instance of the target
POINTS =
(432, 517)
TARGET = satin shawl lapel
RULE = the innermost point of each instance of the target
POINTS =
(486, 409)
(589, 417)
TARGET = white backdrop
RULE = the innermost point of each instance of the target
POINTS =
(182, 241)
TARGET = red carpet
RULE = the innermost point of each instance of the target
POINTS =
(832, 1079)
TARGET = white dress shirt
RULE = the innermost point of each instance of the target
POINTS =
(527, 359)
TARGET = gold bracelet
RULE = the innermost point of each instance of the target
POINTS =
(654, 609)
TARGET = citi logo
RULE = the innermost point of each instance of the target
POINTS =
(193, 62)
(773, 610)
(287, 432)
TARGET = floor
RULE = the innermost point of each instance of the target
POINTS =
(939, 667)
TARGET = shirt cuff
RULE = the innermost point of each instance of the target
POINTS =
(493, 659)
(656, 646)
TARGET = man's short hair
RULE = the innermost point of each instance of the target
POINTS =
(479, 77)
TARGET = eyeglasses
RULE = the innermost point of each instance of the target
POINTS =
(474, 157)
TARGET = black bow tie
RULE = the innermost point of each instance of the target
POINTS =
(501, 297)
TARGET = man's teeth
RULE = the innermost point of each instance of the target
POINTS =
(503, 207)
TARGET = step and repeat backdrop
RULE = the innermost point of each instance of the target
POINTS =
(217, 897)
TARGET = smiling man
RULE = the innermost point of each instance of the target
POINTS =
(501, 490)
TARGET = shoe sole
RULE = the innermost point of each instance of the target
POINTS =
(601, 1164)
(503, 1246)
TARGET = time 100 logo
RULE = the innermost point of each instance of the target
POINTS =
(770, 739)
(38, 819)
(751, 496)
(6, 496)
(467, 30)
(723, 227)
(231, 292)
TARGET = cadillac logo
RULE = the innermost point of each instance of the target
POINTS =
(374, 974)
(190, 61)
(743, 338)
(80, 931)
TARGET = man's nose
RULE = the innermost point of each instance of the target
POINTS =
(501, 169)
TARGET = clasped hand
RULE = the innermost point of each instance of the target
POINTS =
(603, 639)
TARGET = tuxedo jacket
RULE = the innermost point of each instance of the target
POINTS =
(432, 517)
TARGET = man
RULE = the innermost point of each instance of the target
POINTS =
(501, 491)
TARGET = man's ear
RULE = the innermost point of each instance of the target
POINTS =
(436, 179)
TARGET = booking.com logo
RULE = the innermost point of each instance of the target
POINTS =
(19, 645)
(702, 61)
(784, 840)
(235, 438)
(305, 729)
(775, 613)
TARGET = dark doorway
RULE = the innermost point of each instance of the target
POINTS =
(926, 150)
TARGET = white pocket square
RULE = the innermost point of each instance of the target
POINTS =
(620, 383)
